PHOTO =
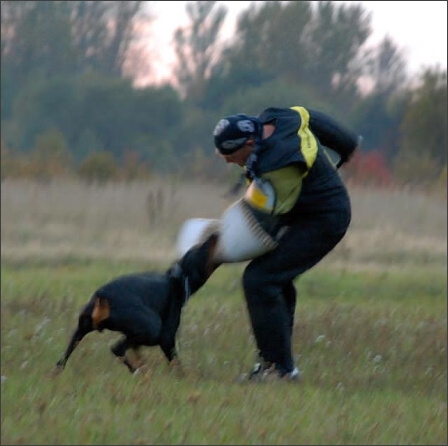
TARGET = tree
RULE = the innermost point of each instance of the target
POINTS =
(103, 33)
(424, 129)
(334, 41)
(261, 49)
(41, 106)
(96, 113)
(50, 39)
(386, 68)
(378, 118)
(294, 42)
(197, 47)
(36, 45)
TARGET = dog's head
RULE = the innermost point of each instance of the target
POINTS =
(197, 264)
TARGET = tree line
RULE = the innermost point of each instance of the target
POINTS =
(70, 71)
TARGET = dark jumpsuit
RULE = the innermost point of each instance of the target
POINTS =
(317, 221)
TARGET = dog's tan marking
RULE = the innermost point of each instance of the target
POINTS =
(101, 311)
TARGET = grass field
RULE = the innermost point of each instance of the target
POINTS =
(370, 334)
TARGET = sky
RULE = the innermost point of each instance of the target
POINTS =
(418, 28)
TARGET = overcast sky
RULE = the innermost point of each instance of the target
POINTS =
(419, 28)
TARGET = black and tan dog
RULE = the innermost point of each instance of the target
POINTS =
(145, 307)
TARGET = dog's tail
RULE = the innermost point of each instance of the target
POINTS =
(91, 316)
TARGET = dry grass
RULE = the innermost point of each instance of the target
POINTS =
(139, 221)
(123, 221)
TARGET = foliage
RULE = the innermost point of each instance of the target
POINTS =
(377, 117)
(49, 159)
(252, 100)
(23, 61)
(337, 34)
(73, 67)
(133, 168)
(11, 164)
(369, 170)
(244, 63)
(196, 47)
(386, 67)
(42, 106)
(95, 113)
(75, 37)
(293, 42)
(423, 149)
(98, 167)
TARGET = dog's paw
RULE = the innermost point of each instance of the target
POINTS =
(143, 375)
(177, 368)
(141, 370)
(57, 370)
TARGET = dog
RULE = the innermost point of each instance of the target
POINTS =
(145, 307)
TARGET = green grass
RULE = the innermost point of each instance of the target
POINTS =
(372, 347)
(369, 336)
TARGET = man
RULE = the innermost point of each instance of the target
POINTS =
(297, 196)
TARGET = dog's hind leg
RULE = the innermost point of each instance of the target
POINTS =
(143, 328)
(119, 350)
(140, 361)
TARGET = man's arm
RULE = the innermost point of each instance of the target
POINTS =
(334, 135)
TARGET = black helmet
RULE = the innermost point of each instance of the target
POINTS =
(232, 132)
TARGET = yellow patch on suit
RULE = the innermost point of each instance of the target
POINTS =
(261, 195)
(309, 144)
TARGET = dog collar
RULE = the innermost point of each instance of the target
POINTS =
(177, 272)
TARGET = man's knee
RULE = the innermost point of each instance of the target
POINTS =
(258, 288)
(252, 281)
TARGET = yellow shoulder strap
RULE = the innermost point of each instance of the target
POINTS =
(309, 144)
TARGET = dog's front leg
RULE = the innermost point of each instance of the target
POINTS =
(173, 358)
(169, 349)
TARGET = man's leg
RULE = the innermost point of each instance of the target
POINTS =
(269, 289)
(270, 320)
(290, 296)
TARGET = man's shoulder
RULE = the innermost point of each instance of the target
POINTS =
(270, 113)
